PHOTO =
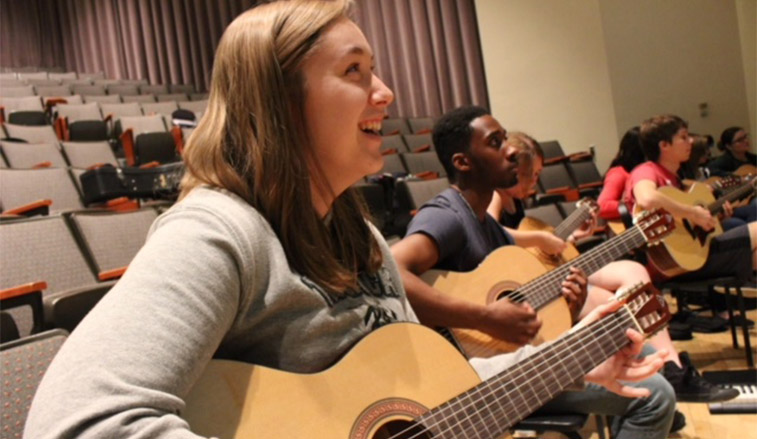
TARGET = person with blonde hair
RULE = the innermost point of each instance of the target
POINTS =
(267, 258)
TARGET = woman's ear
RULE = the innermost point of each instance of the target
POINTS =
(461, 162)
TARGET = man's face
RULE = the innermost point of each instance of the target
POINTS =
(679, 149)
(493, 163)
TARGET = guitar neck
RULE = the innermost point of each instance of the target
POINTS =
(498, 403)
(735, 194)
(572, 222)
(546, 288)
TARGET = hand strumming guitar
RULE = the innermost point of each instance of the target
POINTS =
(516, 323)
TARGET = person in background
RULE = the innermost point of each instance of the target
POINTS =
(734, 142)
(687, 382)
(629, 156)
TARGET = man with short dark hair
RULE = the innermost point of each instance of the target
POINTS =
(454, 232)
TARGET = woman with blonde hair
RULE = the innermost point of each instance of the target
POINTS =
(267, 257)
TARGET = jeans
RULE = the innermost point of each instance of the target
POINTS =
(633, 418)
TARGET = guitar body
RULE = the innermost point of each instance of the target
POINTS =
(550, 262)
(687, 247)
(394, 374)
(746, 170)
(502, 271)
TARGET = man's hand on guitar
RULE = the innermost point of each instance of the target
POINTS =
(701, 217)
(586, 229)
(624, 365)
(515, 323)
(574, 289)
(727, 209)
(550, 244)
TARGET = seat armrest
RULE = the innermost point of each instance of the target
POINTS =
(40, 207)
(26, 295)
(111, 274)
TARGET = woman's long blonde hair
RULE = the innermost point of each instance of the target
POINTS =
(253, 141)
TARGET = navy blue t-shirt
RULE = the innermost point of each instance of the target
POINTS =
(463, 241)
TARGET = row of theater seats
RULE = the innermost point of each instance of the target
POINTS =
(65, 263)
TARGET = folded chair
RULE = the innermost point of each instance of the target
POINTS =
(420, 125)
(43, 250)
(112, 239)
(32, 155)
(24, 190)
(397, 125)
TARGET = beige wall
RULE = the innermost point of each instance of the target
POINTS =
(584, 71)
(746, 11)
(547, 73)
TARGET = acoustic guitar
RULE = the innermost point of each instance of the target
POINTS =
(406, 381)
(585, 208)
(512, 273)
(687, 248)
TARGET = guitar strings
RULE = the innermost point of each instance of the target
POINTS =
(555, 351)
(539, 291)
(520, 370)
(536, 398)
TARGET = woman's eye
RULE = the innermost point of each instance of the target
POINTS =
(353, 68)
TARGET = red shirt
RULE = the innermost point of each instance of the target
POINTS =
(612, 192)
(648, 171)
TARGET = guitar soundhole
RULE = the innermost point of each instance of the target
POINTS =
(504, 294)
(502, 290)
(400, 429)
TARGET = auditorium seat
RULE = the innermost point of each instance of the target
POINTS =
(31, 155)
(420, 162)
(100, 99)
(62, 76)
(145, 139)
(419, 125)
(22, 187)
(92, 76)
(87, 154)
(73, 82)
(119, 110)
(411, 194)
(123, 89)
(112, 239)
(17, 92)
(154, 89)
(82, 122)
(24, 364)
(31, 134)
(32, 75)
(45, 249)
(393, 144)
(175, 97)
(195, 106)
(167, 107)
(419, 142)
(43, 82)
(89, 89)
(181, 88)
(397, 125)
(144, 98)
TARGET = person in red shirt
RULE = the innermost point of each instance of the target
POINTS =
(628, 157)
(667, 144)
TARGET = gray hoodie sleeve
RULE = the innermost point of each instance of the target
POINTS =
(124, 370)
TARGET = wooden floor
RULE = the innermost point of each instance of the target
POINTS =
(707, 352)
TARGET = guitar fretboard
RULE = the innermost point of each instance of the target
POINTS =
(488, 409)
(546, 288)
(571, 223)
